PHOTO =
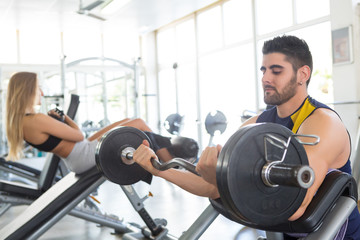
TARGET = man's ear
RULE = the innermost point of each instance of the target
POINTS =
(304, 73)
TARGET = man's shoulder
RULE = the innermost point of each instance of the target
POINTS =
(324, 118)
(251, 120)
(326, 113)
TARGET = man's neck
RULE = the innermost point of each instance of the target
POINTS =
(288, 108)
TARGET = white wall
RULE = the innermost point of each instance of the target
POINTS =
(346, 77)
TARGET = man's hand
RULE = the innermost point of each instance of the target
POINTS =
(206, 166)
(142, 156)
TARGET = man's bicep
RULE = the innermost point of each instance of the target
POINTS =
(328, 153)
(249, 121)
(334, 146)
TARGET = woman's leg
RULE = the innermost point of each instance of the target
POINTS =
(136, 123)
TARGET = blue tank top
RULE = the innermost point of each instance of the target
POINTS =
(293, 122)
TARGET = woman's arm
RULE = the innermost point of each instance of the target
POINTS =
(69, 131)
(71, 122)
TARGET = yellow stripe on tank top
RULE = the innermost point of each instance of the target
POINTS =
(299, 117)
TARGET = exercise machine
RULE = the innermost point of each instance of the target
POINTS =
(279, 178)
(61, 199)
(262, 175)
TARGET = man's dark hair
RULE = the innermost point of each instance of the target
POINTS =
(296, 51)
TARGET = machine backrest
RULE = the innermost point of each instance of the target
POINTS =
(335, 185)
(53, 204)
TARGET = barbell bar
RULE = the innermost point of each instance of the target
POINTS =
(127, 156)
(273, 174)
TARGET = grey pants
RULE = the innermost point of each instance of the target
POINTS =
(82, 157)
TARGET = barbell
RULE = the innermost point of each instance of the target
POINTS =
(262, 171)
(109, 151)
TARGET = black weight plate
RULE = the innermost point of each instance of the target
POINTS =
(239, 176)
(215, 121)
(221, 175)
(108, 156)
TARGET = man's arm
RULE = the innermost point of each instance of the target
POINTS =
(332, 151)
(208, 160)
(206, 167)
(249, 121)
(184, 179)
(190, 182)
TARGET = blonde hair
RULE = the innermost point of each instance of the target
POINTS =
(21, 94)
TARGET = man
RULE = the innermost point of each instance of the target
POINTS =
(286, 67)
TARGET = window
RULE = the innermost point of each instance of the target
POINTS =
(8, 46)
(40, 45)
(52, 85)
(95, 107)
(185, 41)
(167, 93)
(187, 99)
(177, 82)
(166, 46)
(273, 15)
(227, 83)
(237, 21)
(227, 78)
(118, 47)
(319, 8)
(320, 85)
(209, 29)
(82, 43)
(116, 99)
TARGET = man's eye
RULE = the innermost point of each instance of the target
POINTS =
(276, 72)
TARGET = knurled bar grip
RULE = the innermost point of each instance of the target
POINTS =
(175, 162)
(127, 154)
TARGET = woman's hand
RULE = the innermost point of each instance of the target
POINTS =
(206, 166)
(57, 114)
(142, 156)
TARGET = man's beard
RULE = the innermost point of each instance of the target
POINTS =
(276, 98)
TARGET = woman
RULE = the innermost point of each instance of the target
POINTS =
(48, 134)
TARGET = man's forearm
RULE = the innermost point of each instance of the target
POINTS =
(190, 182)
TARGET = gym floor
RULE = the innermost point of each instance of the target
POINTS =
(179, 208)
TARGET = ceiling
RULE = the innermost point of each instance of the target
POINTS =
(140, 16)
